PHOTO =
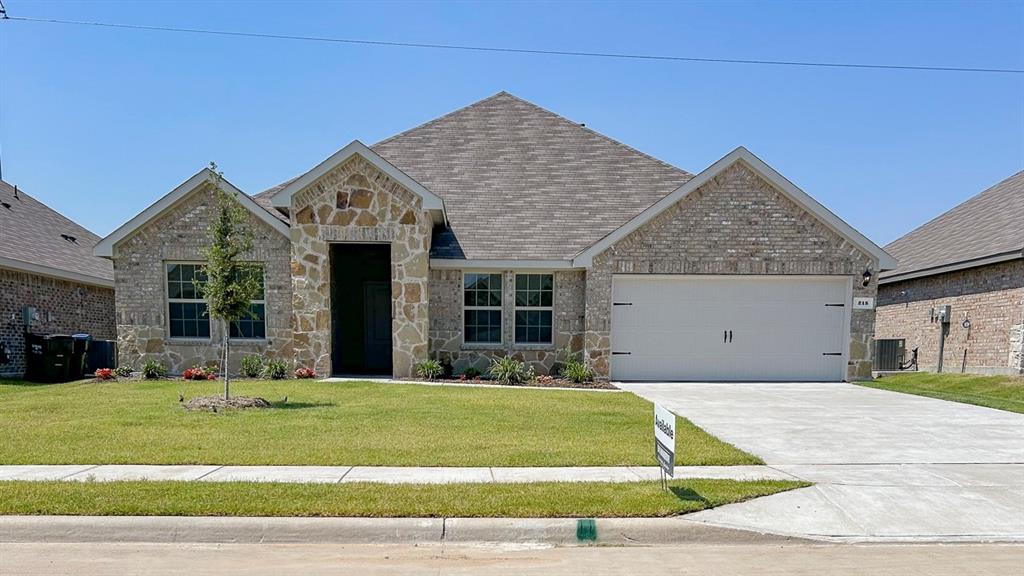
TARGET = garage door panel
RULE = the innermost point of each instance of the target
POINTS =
(678, 328)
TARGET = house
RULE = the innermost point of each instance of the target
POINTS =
(504, 229)
(970, 259)
(47, 266)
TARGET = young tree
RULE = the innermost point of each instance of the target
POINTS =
(231, 282)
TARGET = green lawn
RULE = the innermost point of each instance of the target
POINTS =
(338, 424)
(1002, 392)
(549, 499)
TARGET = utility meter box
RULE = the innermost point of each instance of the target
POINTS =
(943, 314)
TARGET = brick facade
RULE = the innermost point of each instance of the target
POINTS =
(446, 297)
(991, 297)
(737, 223)
(64, 307)
(141, 288)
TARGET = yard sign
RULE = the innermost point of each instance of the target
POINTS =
(665, 439)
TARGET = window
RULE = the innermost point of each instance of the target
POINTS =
(482, 308)
(534, 296)
(254, 326)
(187, 311)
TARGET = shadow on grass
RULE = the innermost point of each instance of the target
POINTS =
(282, 405)
(689, 495)
(28, 384)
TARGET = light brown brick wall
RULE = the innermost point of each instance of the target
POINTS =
(446, 298)
(737, 223)
(141, 288)
(64, 308)
(991, 297)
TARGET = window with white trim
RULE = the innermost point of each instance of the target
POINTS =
(253, 326)
(534, 308)
(186, 310)
(481, 308)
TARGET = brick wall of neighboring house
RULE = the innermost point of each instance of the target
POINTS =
(356, 202)
(141, 288)
(446, 323)
(991, 297)
(64, 307)
(737, 223)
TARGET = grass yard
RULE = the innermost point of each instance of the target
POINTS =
(325, 423)
(548, 500)
(1002, 392)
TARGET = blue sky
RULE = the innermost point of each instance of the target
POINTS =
(99, 123)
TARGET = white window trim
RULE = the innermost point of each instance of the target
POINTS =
(167, 297)
(500, 308)
(516, 307)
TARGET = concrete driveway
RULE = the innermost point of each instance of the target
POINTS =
(886, 466)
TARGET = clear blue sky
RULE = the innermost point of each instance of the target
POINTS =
(99, 123)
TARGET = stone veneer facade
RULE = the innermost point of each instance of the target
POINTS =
(356, 202)
(446, 296)
(64, 307)
(736, 223)
(991, 297)
(141, 288)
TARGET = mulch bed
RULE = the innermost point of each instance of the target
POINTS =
(539, 382)
(215, 403)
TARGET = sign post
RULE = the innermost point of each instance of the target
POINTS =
(665, 442)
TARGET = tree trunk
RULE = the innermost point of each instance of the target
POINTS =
(224, 365)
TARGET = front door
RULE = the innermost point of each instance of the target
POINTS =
(377, 325)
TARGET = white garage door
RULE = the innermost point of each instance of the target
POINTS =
(717, 328)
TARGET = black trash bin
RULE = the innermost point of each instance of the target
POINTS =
(50, 358)
(101, 354)
(79, 355)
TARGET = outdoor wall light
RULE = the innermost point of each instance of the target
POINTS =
(867, 277)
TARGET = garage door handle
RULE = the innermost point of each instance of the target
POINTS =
(621, 353)
(831, 353)
(725, 336)
(730, 336)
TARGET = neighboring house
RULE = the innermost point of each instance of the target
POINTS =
(504, 229)
(47, 264)
(972, 260)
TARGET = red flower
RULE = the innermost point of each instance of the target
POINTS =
(105, 374)
(305, 373)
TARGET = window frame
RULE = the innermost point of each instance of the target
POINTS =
(167, 297)
(527, 308)
(263, 301)
(500, 308)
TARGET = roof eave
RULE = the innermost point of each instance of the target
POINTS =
(952, 267)
(885, 260)
(60, 274)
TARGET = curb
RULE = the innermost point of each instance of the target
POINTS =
(235, 530)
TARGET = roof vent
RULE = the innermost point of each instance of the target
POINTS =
(69, 238)
(16, 192)
(5, 205)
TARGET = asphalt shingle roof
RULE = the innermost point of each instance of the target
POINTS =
(988, 224)
(31, 232)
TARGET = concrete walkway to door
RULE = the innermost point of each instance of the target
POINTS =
(887, 466)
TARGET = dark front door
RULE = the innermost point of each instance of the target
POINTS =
(377, 325)
(360, 309)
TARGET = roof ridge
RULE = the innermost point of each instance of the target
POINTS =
(944, 214)
(439, 118)
(585, 128)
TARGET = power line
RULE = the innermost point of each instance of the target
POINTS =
(471, 48)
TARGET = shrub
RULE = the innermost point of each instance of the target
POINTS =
(577, 371)
(105, 374)
(472, 373)
(510, 371)
(429, 369)
(123, 371)
(153, 370)
(199, 373)
(252, 365)
(274, 369)
(305, 373)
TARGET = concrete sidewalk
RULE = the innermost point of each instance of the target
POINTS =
(382, 474)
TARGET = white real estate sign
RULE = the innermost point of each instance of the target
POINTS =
(665, 439)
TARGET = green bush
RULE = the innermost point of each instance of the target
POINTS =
(123, 371)
(429, 369)
(577, 372)
(472, 373)
(252, 365)
(274, 369)
(153, 370)
(510, 371)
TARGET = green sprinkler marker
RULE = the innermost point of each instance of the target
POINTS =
(586, 530)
